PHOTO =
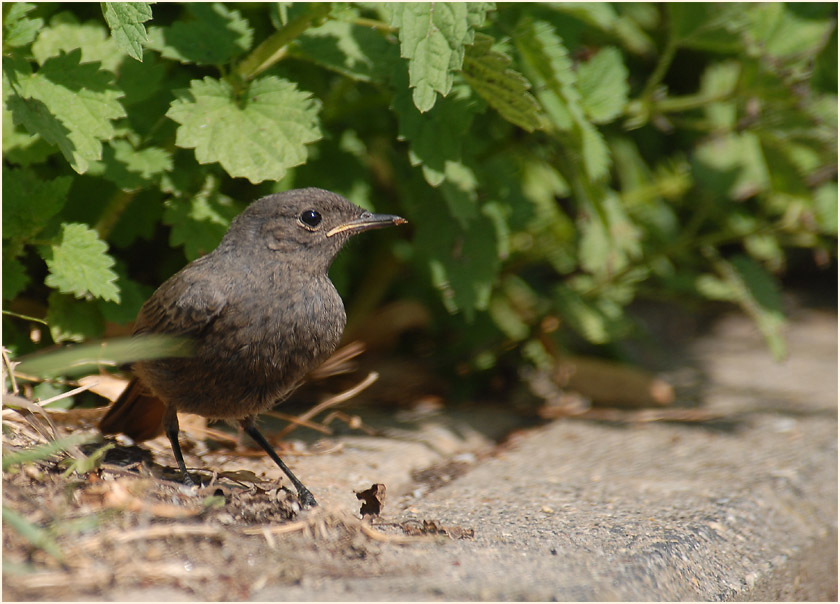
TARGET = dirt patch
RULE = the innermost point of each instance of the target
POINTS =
(124, 526)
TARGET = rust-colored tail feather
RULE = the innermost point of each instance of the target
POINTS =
(137, 414)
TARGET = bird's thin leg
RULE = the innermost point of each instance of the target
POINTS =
(305, 497)
(170, 426)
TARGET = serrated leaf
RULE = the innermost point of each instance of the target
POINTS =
(73, 320)
(504, 89)
(132, 169)
(29, 201)
(70, 105)
(15, 278)
(464, 262)
(79, 264)
(732, 165)
(66, 34)
(139, 220)
(435, 139)
(757, 292)
(258, 137)
(213, 35)
(583, 316)
(825, 208)
(433, 36)
(125, 19)
(18, 29)
(140, 81)
(596, 154)
(353, 50)
(781, 32)
(547, 64)
(199, 223)
(708, 26)
(608, 247)
(132, 296)
(602, 82)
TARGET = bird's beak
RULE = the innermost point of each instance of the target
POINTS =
(366, 222)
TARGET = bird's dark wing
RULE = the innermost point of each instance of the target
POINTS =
(185, 305)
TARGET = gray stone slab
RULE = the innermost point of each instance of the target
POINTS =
(740, 509)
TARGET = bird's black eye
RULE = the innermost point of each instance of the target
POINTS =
(310, 218)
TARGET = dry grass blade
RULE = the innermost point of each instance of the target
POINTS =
(28, 409)
(332, 401)
(152, 532)
(64, 395)
(296, 420)
(9, 370)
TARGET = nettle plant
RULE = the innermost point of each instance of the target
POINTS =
(555, 161)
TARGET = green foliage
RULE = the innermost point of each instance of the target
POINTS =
(433, 37)
(126, 22)
(258, 134)
(79, 264)
(555, 161)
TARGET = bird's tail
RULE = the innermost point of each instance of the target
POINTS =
(136, 413)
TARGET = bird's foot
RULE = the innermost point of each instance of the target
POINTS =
(306, 499)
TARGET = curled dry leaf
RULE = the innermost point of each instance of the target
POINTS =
(372, 500)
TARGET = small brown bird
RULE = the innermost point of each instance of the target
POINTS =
(261, 313)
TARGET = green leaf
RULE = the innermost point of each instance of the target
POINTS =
(79, 264)
(73, 320)
(709, 26)
(126, 22)
(141, 81)
(606, 248)
(112, 352)
(781, 31)
(66, 34)
(15, 278)
(88, 358)
(213, 35)
(825, 206)
(132, 296)
(258, 137)
(18, 29)
(132, 169)
(505, 90)
(603, 85)
(463, 262)
(29, 201)
(547, 65)
(825, 66)
(352, 50)
(757, 292)
(732, 165)
(583, 316)
(433, 36)
(70, 105)
(200, 222)
(435, 139)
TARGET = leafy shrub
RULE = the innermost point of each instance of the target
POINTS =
(555, 161)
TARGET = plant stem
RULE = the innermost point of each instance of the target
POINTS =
(374, 24)
(665, 60)
(274, 48)
(116, 206)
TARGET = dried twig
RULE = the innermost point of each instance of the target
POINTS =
(152, 532)
(331, 402)
(301, 422)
